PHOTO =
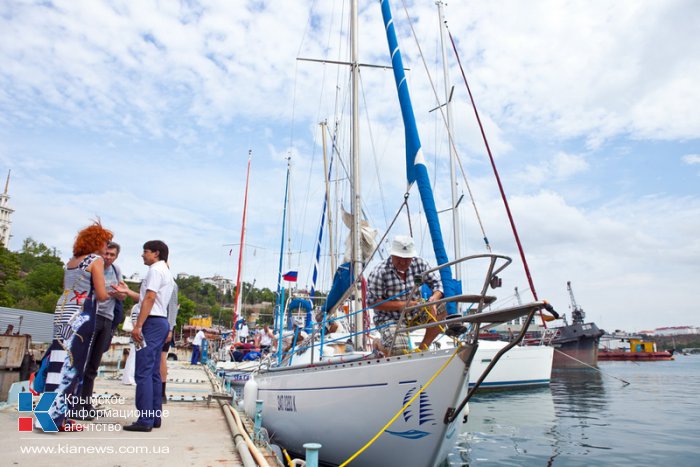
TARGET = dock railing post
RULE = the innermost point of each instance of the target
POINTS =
(312, 454)
(258, 418)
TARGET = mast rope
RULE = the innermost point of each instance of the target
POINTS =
(498, 179)
(374, 150)
(408, 214)
(405, 406)
(449, 133)
(350, 289)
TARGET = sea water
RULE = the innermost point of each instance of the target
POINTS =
(588, 418)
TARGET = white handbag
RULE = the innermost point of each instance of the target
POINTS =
(128, 325)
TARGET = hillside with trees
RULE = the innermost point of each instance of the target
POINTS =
(32, 279)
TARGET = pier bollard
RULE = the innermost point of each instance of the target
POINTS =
(258, 418)
(312, 454)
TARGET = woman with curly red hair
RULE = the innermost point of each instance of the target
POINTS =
(74, 321)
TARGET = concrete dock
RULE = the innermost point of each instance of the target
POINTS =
(192, 432)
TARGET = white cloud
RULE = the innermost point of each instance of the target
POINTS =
(143, 113)
(559, 168)
(691, 159)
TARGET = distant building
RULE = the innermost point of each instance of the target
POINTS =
(135, 278)
(676, 331)
(221, 283)
(5, 212)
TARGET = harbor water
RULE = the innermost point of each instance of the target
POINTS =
(587, 418)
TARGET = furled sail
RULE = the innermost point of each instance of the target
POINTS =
(416, 170)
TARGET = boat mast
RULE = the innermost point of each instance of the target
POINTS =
(237, 299)
(355, 155)
(279, 308)
(327, 170)
(454, 184)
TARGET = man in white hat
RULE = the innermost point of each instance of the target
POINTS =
(390, 284)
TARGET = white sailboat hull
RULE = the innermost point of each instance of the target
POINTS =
(342, 407)
(521, 366)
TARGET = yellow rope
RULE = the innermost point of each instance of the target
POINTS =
(393, 419)
(289, 459)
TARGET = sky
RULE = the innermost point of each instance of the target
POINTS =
(142, 114)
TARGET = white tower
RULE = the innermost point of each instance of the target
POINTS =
(5, 212)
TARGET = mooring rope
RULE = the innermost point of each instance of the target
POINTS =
(393, 419)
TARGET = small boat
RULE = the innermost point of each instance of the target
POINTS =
(623, 347)
(522, 366)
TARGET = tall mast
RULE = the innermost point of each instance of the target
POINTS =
(326, 210)
(328, 170)
(355, 154)
(241, 249)
(279, 308)
(454, 184)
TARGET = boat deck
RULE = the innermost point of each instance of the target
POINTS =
(192, 433)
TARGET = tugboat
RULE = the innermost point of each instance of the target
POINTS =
(622, 347)
(576, 344)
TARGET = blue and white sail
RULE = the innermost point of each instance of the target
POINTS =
(416, 170)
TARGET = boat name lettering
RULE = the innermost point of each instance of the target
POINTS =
(286, 403)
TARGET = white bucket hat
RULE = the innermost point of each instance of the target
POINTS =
(403, 247)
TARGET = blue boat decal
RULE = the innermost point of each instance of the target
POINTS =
(410, 434)
(425, 408)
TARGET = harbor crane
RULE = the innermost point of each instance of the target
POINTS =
(577, 313)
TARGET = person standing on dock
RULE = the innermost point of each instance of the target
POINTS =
(391, 282)
(197, 347)
(105, 323)
(149, 334)
(74, 322)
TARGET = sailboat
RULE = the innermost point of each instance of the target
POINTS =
(405, 409)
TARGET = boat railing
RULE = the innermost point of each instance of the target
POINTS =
(549, 335)
(475, 315)
(496, 264)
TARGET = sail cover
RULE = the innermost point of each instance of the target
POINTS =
(416, 170)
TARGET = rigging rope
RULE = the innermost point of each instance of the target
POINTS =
(498, 179)
(374, 151)
(406, 405)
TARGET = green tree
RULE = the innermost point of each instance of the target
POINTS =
(186, 311)
(45, 278)
(9, 271)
